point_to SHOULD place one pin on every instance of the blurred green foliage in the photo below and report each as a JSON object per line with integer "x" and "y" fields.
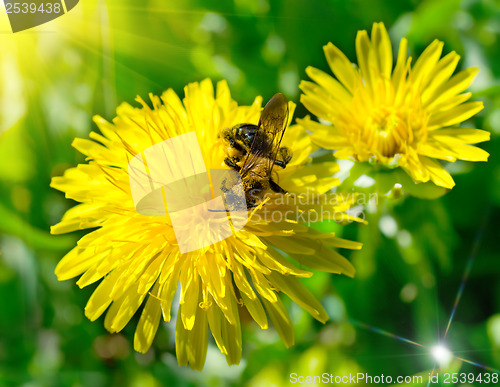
{"x": 55, "y": 77}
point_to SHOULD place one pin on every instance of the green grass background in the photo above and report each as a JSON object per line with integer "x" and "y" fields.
{"x": 55, "y": 77}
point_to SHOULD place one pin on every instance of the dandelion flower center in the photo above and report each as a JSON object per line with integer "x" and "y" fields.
{"x": 389, "y": 129}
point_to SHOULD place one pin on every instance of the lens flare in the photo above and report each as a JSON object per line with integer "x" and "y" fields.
{"x": 442, "y": 355}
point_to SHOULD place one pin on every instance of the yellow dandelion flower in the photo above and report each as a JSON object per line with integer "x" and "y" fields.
{"x": 407, "y": 116}
{"x": 137, "y": 259}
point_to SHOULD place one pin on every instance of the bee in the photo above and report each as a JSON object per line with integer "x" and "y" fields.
{"x": 254, "y": 150}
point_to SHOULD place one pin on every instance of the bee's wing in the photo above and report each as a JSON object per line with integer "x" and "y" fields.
{"x": 272, "y": 125}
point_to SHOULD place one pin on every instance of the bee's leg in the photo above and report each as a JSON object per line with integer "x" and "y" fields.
{"x": 223, "y": 187}
{"x": 285, "y": 157}
{"x": 280, "y": 163}
{"x": 235, "y": 144}
{"x": 251, "y": 205}
{"x": 286, "y": 154}
{"x": 275, "y": 187}
{"x": 232, "y": 164}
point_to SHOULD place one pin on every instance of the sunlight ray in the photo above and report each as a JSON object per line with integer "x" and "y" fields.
{"x": 384, "y": 333}
{"x": 468, "y": 268}
{"x": 485, "y": 367}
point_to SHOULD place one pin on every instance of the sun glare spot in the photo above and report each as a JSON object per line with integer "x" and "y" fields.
{"x": 442, "y": 355}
